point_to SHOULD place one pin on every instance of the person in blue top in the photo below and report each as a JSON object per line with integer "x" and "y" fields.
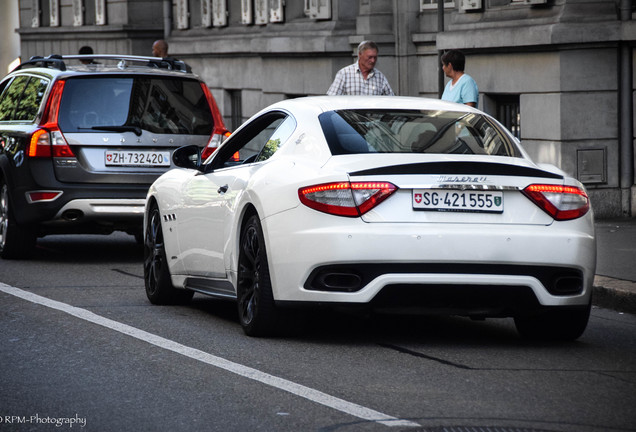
{"x": 461, "y": 88}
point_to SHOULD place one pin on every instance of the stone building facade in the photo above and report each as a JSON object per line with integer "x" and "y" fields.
{"x": 558, "y": 73}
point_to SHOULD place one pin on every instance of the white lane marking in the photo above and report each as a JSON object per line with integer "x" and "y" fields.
{"x": 239, "y": 369}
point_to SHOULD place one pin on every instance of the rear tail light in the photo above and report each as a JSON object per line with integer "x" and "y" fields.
{"x": 47, "y": 144}
{"x": 350, "y": 199}
{"x": 219, "y": 133}
{"x": 215, "y": 141}
{"x": 52, "y": 108}
{"x": 48, "y": 140}
{"x": 560, "y": 202}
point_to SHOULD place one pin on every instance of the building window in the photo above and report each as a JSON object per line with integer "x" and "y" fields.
{"x": 432, "y": 4}
{"x": 236, "y": 108}
{"x": 508, "y": 112}
{"x": 89, "y": 11}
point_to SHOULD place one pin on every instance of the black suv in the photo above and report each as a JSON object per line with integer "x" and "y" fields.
{"x": 81, "y": 144}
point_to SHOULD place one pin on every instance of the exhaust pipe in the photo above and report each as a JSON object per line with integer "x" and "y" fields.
{"x": 72, "y": 215}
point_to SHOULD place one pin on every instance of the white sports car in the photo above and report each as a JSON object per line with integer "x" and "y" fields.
{"x": 404, "y": 205}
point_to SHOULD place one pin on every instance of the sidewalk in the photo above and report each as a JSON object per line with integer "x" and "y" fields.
{"x": 615, "y": 281}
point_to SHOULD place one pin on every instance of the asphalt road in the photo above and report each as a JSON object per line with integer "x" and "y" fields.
{"x": 80, "y": 345}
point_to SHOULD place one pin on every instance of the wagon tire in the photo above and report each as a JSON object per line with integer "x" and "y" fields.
{"x": 16, "y": 241}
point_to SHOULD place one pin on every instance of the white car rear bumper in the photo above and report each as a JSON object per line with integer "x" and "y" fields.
{"x": 469, "y": 255}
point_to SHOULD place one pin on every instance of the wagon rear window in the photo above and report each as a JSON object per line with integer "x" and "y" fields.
{"x": 158, "y": 105}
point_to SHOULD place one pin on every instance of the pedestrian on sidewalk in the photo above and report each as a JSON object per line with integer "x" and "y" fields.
{"x": 361, "y": 78}
{"x": 461, "y": 88}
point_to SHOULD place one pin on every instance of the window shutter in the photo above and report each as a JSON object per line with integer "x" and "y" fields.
{"x": 276, "y": 11}
{"x": 206, "y": 13}
{"x": 54, "y": 13}
{"x": 100, "y": 12}
{"x": 247, "y": 14}
{"x": 182, "y": 14}
{"x": 320, "y": 9}
{"x": 78, "y": 13}
{"x": 220, "y": 13}
{"x": 432, "y": 4}
{"x": 260, "y": 11}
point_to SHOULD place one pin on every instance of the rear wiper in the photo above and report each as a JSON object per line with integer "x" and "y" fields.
{"x": 123, "y": 128}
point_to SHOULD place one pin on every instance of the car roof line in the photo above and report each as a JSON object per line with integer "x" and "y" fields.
{"x": 56, "y": 61}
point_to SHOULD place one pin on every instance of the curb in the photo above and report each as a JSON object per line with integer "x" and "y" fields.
{"x": 616, "y": 294}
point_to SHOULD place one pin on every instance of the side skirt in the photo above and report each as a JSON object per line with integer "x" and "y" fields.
{"x": 221, "y": 289}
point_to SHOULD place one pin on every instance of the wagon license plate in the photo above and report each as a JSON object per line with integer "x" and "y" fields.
{"x": 458, "y": 200}
{"x": 137, "y": 158}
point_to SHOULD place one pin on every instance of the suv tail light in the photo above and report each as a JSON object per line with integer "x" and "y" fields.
{"x": 215, "y": 141}
{"x": 350, "y": 199}
{"x": 47, "y": 144}
{"x": 48, "y": 140}
{"x": 219, "y": 132}
{"x": 560, "y": 202}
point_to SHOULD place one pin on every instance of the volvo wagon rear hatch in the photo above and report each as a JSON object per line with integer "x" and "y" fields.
{"x": 440, "y": 166}
{"x": 123, "y": 128}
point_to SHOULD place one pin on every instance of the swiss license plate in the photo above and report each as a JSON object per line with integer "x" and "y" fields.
{"x": 137, "y": 158}
{"x": 458, "y": 200}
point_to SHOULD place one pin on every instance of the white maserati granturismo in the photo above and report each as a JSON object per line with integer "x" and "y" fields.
{"x": 400, "y": 205}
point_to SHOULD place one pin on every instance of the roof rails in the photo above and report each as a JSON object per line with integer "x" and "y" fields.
{"x": 56, "y": 61}
{"x": 53, "y": 60}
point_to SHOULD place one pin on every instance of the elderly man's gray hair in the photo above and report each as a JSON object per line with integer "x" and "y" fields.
{"x": 367, "y": 44}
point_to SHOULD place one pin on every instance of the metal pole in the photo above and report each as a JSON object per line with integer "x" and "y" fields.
{"x": 626, "y": 138}
{"x": 396, "y": 35}
{"x": 167, "y": 18}
{"x": 440, "y": 29}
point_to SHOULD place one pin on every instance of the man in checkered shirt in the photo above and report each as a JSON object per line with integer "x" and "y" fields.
{"x": 361, "y": 78}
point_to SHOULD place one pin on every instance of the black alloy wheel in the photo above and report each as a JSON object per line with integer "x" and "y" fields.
{"x": 16, "y": 241}
{"x": 159, "y": 288}
{"x": 257, "y": 312}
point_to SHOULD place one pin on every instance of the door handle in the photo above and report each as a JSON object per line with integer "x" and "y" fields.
{"x": 223, "y": 189}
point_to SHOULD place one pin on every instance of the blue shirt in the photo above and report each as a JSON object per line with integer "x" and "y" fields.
{"x": 465, "y": 90}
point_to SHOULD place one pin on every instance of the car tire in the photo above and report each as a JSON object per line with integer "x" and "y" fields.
{"x": 256, "y": 309}
{"x": 556, "y": 325}
{"x": 159, "y": 288}
{"x": 16, "y": 241}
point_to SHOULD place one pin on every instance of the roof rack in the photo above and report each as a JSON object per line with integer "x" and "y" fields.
{"x": 53, "y": 60}
{"x": 56, "y": 61}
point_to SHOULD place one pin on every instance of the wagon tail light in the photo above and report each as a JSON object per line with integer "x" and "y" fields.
{"x": 219, "y": 133}
{"x": 350, "y": 199}
{"x": 216, "y": 139}
{"x": 47, "y": 140}
{"x": 560, "y": 202}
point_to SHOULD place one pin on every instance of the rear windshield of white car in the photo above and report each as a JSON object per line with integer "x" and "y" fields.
{"x": 155, "y": 104}
{"x": 409, "y": 131}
